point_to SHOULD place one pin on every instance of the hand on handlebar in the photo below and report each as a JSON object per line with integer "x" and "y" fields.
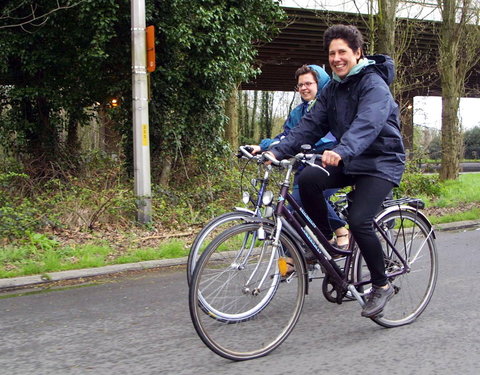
{"x": 269, "y": 157}
{"x": 255, "y": 149}
{"x": 330, "y": 158}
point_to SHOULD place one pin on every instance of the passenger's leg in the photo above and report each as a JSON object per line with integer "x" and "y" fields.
{"x": 312, "y": 183}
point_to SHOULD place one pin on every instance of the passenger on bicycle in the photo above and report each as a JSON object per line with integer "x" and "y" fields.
{"x": 359, "y": 110}
{"x": 310, "y": 80}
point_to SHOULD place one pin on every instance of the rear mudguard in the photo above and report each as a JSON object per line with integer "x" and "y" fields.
{"x": 394, "y": 208}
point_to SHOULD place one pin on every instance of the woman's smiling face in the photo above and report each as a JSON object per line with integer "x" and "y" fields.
{"x": 342, "y": 58}
{"x": 307, "y": 86}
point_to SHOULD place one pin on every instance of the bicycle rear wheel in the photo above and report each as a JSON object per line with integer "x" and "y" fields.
{"x": 414, "y": 239}
{"x": 212, "y": 229}
{"x": 241, "y": 306}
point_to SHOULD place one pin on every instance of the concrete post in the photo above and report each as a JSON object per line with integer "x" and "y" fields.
{"x": 141, "y": 141}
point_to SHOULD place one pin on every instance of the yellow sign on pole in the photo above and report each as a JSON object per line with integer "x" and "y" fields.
{"x": 144, "y": 134}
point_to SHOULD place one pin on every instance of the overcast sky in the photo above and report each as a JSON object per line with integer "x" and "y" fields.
{"x": 428, "y": 112}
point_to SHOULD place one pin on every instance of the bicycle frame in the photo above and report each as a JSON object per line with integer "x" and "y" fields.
{"x": 321, "y": 247}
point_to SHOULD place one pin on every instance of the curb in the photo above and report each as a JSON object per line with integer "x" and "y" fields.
{"x": 47, "y": 278}
{"x": 38, "y": 280}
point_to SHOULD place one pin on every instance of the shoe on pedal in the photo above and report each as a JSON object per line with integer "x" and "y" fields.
{"x": 376, "y": 300}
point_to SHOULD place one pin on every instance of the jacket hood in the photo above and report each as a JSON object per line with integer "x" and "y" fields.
{"x": 382, "y": 65}
{"x": 322, "y": 76}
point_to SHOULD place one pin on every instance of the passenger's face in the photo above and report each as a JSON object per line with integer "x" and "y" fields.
{"x": 307, "y": 86}
{"x": 341, "y": 57}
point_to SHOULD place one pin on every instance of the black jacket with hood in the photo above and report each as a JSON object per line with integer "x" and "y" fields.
{"x": 362, "y": 114}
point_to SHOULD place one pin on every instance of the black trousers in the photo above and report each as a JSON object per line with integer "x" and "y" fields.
{"x": 367, "y": 199}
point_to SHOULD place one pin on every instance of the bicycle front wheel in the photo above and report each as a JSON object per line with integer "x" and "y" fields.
{"x": 240, "y": 304}
{"x": 414, "y": 239}
{"x": 213, "y": 228}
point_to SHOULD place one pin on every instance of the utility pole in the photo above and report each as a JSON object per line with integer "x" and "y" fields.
{"x": 141, "y": 141}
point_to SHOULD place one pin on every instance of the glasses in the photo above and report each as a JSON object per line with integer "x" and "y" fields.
{"x": 306, "y": 85}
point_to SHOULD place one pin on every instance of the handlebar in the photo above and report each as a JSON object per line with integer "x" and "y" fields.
{"x": 245, "y": 151}
{"x": 307, "y": 159}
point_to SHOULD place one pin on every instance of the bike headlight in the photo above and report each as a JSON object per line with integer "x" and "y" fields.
{"x": 245, "y": 197}
{"x": 267, "y": 198}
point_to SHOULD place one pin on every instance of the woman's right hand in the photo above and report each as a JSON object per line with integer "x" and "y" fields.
{"x": 255, "y": 149}
{"x": 330, "y": 158}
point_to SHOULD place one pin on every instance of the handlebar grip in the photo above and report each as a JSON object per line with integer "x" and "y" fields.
{"x": 245, "y": 151}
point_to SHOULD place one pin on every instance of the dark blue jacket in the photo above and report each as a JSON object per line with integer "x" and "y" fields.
{"x": 362, "y": 114}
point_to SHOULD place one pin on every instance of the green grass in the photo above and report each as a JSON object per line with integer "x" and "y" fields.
{"x": 473, "y": 214}
{"x": 25, "y": 260}
{"x": 456, "y": 193}
{"x": 464, "y": 190}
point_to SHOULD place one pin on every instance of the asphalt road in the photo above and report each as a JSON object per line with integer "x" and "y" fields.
{"x": 141, "y": 325}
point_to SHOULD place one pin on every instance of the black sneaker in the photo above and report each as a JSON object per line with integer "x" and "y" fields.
{"x": 376, "y": 300}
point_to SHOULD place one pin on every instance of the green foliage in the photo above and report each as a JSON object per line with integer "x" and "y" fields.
{"x": 472, "y": 143}
{"x": 416, "y": 183}
{"x": 205, "y": 49}
{"x": 210, "y": 186}
{"x": 48, "y": 83}
{"x": 17, "y": 216}
{"x": 98, "y": 197}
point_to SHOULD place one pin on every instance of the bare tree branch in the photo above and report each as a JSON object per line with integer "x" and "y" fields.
{"x": 32, "y": 17}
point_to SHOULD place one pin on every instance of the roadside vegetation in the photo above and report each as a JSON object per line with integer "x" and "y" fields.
{"x": 89, "y": 220}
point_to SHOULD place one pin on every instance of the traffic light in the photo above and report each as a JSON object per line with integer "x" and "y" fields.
{"x": 151, "y": 65}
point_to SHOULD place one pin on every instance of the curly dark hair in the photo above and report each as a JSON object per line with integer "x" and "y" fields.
{"x": 349, "y": 33}
{"x": 304, "y": 69}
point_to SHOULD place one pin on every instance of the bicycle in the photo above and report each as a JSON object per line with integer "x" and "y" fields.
{"x": 244, "y": 302}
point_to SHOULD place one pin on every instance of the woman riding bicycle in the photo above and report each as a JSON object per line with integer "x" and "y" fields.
{"x": 359, "y": 110}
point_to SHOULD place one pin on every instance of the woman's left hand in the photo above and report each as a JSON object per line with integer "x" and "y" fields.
{"x": 330, "y": 158}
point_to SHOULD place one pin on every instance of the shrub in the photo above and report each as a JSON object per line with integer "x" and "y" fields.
{"x": 415, "y": 183}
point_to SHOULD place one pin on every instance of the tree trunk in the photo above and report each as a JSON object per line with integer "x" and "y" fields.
{"x": 72, "y": 142}
{"x": 241, "y": 124}
{"x": 452, "y": 80}
{"x": 386, "y": 21}
{"x": 254, "y": 130}
{"x": 246, "y": 121}
{"x": 406, "y": 118}
{"x": 166, "y": 171}
{"x": 231, "y": 128}
{"x": 451, "y": 136}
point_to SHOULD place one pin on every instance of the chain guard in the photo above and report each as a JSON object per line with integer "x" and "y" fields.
{"x": 331, "y": 292}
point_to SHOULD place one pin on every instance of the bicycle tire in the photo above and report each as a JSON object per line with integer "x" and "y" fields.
{"x": 209, "y": 232}
{"x": 413, "y": 237}
{"x": 236, "y": 315}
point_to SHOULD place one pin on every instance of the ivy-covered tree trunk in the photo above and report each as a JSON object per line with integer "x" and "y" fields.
{"x": 231, "y": 127}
